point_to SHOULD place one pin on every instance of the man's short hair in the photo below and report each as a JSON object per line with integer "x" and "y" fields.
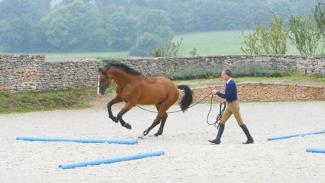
{"x": 227, "y": 72}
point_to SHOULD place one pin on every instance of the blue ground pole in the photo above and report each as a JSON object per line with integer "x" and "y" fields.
{"x": 315, "y": 150}
{"x": 296, "y": 135}
{"x": 108, "y": 141}
{"x": 111, "y": 160}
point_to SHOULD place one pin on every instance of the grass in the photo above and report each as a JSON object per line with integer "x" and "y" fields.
{"x": 215, "y": 43}
{"x": 49, "y": 100}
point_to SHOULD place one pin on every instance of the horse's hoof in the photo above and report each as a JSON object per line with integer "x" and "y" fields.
{"x": 145, "y": 133}
{"x": 114, "y": 119}
{"x": 128, "y": 126}
{"x": 157, "y": 134}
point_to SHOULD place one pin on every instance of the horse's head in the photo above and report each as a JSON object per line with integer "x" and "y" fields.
{"x": 103, "y": 81}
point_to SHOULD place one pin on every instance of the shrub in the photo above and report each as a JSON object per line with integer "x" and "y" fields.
{"x": 250, "y": 45}
{"x": 199, "y": 73}
{"x": 319, "y": 17}
{"x": 170, "y": 51}
{"x": 305, "y": 34}
{"x": 258, "y": 72}
{"x": 145, "y": 43}
{"x": 266, "y": 40}
{"x": 194, "y": 52}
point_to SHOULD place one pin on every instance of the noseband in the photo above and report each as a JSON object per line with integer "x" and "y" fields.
{"x": 98, "y": 86}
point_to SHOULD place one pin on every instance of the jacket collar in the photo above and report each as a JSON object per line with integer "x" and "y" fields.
{"x": 228, "y": 80}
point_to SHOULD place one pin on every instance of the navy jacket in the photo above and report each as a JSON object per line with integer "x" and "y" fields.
{"x": 230, "y": 92}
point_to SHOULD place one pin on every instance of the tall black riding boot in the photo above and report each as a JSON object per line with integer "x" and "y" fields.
{"x": 220, "y": 131}
{"x": 250, "y": 139}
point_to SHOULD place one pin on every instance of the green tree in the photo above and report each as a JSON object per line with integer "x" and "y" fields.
{"x": 319, "y": 17}
{"x": 270, "y": 39}
{"x": 193, "y": 52}
{"x": 250, "y": 44}
{"x": 145, "y": 43}
{"x": 116, "y": 24}
{"x": 75, "y": 26}
{"x": 156, "y": 22}
{"x": 169, "y": 51}
{"x": 19, "y": 24}
{"x": 154, "y": 34}
{"x": 305, "y": 34}
{"x": 120, "y": 30}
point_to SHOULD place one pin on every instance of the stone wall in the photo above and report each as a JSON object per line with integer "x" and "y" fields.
{"x": 160, "y": 66}
{"x": 32, "y": 73}
{"x": 267, "y": 92}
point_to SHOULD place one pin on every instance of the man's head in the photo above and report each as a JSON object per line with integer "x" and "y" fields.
{"x": 226, "y": 74}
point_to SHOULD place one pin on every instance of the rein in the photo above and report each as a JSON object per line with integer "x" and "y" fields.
{"x": 222, "y": 108}
{"x": 176, "y": 110}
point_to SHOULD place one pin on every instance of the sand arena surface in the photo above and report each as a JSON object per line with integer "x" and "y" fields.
{"x": 189, "y": 157}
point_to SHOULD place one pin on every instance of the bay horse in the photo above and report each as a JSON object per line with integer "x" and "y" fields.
{"x": 134, "y": 88}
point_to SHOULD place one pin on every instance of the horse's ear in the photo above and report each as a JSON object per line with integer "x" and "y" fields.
{"x": 100, "y": 70}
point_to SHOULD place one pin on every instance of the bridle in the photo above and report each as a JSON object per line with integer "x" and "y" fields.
{"x": 98, "y": 85}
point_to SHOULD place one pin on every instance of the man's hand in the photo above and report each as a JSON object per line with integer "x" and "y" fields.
{"x": 213, "y": 92}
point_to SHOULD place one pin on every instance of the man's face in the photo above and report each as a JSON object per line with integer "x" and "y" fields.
{"x": 224, "y": 76}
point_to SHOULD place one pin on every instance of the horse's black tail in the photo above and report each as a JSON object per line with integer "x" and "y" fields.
{"x": 187, "y": 98}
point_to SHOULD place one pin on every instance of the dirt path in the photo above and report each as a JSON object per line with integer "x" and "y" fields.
{"x": 189, "y": 157}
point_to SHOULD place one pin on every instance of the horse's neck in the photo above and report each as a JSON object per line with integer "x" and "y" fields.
{"x": 121, "y": 78}
{"x": 120, "y": 84}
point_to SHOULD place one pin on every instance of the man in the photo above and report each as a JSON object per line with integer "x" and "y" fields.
{"x": 232, "y": 108}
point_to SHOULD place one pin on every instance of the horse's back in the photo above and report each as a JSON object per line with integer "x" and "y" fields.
{"x": 159, "y": 81}
{"x": 157, "y": 89}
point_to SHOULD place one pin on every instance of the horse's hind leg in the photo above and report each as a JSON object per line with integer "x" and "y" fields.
{"x": 161, "y": 113}
{"x": 126, "y": 108}
{"x": 165, "y": 107}
{"x": 162, "y": 124}
{"x": 155, "y": 122}
{"x": 109, "y": 108}
{"x": 163, "y": 121}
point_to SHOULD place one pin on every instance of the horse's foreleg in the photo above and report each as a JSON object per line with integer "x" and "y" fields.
{"x": 109, "y": 108}
{"x": 126, "y": 108}
{"x": 162, "y": 124}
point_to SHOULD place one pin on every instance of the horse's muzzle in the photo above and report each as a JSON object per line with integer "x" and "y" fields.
{"x": 101, "y": 91}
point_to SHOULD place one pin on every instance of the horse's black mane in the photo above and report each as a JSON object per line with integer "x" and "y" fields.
{"x": 125, "y": 68}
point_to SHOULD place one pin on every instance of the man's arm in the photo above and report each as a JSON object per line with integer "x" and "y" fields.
{"x": 221, "y": 95}
{"x": 229, "y": 91}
